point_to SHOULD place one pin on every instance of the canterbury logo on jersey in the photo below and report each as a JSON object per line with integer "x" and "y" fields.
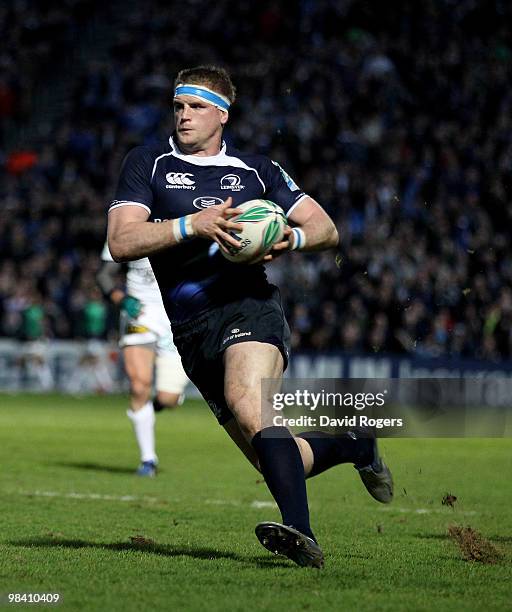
{"x": 180, "y": 180}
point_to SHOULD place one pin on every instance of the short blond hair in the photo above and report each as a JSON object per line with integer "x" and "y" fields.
{"x": 213, "y": 77}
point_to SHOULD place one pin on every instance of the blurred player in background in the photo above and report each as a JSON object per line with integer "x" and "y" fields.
{"x": 148, "y": 347}
{"x": 227, "y": 320}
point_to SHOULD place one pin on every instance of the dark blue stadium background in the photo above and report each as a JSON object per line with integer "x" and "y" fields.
{"x": 395, "y": 116}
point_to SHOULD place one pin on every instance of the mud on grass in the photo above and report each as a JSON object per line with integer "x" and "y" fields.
{"x": 473, "y": 545}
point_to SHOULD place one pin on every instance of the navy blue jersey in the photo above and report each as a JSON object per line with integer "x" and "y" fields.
{"x": 194, "y": 276}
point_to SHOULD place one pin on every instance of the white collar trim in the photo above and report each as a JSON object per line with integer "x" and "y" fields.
{"x": 197, "y": 159}
{"x": 221, "y": 159}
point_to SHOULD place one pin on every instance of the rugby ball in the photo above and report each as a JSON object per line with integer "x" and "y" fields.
{"x": 263, "y": 225}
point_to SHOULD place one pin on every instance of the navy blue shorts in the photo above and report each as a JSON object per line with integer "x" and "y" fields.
{"x": 202, "y": 342}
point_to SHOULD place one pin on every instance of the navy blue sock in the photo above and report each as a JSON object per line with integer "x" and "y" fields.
{"x": 281, "y": 465}
{"x": 330, "y": 450}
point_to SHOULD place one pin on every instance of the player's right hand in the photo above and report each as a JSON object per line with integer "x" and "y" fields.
{"x": 214, "y": 224}
{"x": 131, "y": 305}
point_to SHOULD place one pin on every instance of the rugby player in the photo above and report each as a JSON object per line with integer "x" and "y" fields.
{"x": 175, "y": 203}
{"x": 147, "y": 345}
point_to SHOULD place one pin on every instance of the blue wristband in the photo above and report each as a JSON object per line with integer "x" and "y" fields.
{"x": 182, "y": 228}
{"x": 300, "y": 239}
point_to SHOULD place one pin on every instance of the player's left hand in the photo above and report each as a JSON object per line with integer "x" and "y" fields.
{"x": 280, "y": 247}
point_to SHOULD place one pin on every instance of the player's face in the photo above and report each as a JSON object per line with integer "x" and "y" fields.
{"x": 198, "y": 125}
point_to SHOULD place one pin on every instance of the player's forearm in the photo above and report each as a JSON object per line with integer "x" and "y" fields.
{"x": 316, "y": 236}
{"x": 137, "y": 239}
{"x": 132, "y": 237}
{"x": 313, "y": 229}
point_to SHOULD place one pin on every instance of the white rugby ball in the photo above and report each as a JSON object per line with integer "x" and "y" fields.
{"x": 263, "y": 225}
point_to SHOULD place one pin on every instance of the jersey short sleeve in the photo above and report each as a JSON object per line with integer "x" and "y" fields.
{"x": 280, "y": 187}
{"x": 134, "y": 183}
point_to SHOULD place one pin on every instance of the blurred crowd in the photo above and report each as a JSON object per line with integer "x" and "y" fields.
{"x": 396, "y": 117}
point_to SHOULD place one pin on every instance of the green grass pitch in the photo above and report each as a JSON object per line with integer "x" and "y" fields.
{"x": 70, "y": 504}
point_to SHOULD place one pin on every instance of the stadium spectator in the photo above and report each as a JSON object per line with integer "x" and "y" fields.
{"x": 372, "y": 110}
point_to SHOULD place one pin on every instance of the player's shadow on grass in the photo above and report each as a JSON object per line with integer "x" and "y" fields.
{"x": 152, "y": 549}
{"x": 95, "y": 467}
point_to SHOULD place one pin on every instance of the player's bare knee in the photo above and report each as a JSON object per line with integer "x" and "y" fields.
{"x": 247, "y": 411}
{"x": 242, "y": 398}
{"x": 140, "y": 389}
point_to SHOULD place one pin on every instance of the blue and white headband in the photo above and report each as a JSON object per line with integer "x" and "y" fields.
{"x": 203, "y": 93}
